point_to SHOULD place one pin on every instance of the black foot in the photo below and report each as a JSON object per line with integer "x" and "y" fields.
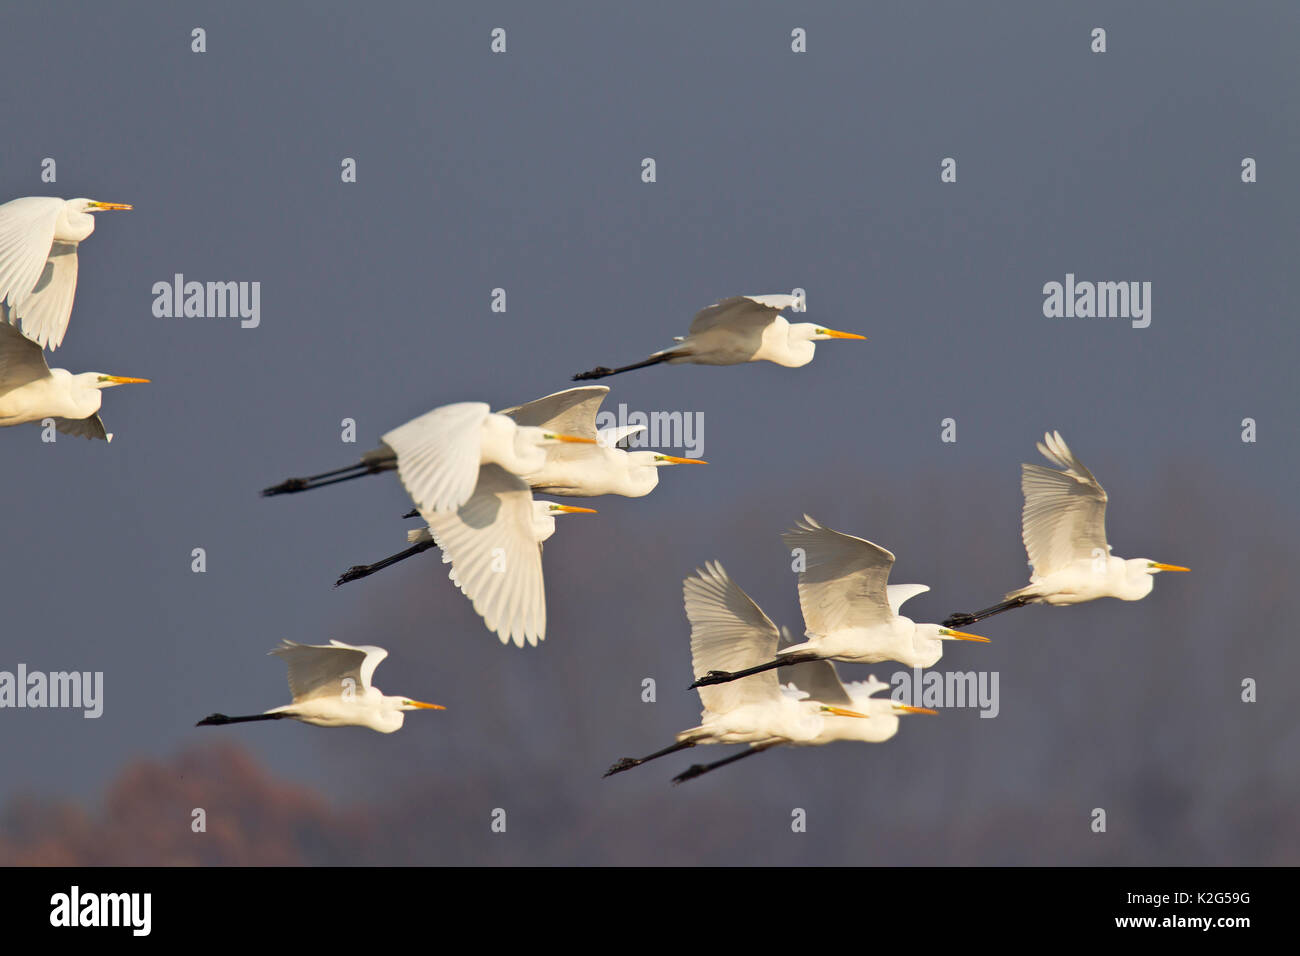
{"x": 213, "y": 719}
{"x": 713, "y": 677}
{"x": 354, "y": 573}
{"x": 690, "y": 773}
{"x": 627, "y": 763}
{"x": 600, "y": 371}
{"x": 285, "y": 487}
{"x": 959, "y": 619}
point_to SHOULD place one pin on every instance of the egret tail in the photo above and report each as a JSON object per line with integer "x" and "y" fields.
{"x": 960, "y": 619}
{"x": 365, "y": 570}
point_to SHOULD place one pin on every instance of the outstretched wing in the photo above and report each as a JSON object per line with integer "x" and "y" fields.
{"x": 438, "y": 454}
{"x": 46, "y": 310}
{"x": 900, "y": 594}
{"x": 26, "y": 235}
{"x": 570, "y": 412}
{"x": 844, "y": 578}
{"x": 92, "y": 427}
{"x": 741, "y": 314}
{"x": 494, "y": 555}
{"x": 21, "y": 359}
{"x": 1064, "y": 517}
{"x": 729, "y": 632}
{"x": 818, "y": 679}
{"x": 320, "y": 670}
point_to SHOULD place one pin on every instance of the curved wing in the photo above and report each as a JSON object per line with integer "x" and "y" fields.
{"x": 1064, "y": 517}
{"x": 438, "y": 454}
{"x": 729, "y": 632}
{"x": 319, "y": 670}
{"x": 21, "y": 360}
{"x": 900, "y": 594}
{"x": 92, "y": 427}
{"x": 45, "y": 312}
{"x": 616, "y": 435}
{"x": 494, "y": 555}
{"x": 844, "y": 578}
{"x": 861, "y": 691}
{"x": 818, "y": 679}
{"x": 570, "y": 412}
{"x": 741, "y": 314}
{"x": 26, "y": 235}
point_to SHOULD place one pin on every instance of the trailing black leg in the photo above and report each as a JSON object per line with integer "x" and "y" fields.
{"x": 365, "y": 570}
{"x": 291, "y": 485}
{"x": 600, "y": 371}
{"x": 697, "y": 769}
{"x": 723, "y": 677}
{"x": 212, "y": 719}
{"x": 960, "y": 619}
{"x": 627, "y": 763}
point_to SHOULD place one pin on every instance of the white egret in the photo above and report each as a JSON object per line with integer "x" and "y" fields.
{"x": 331, "y": 687}
{"x": 850, "y": 611}
{"x": 1063, "y": 525}
{"x": 30, "y": 391}
{"x": 729, "y": 630}
{"x": 587, "y": 470}
{"x": 38, "y": 261}
{"x": 493, "y": 543}
{"x": 437, "y": 456}
{"x": 743, "y": 328}
{"x": 817, "y": 681}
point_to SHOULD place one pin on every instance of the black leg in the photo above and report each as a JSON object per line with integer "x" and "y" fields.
{"x": 600, "y": 371}
{"x": 697, "y": 769}
{"x": 292, "y": 485}
{"x": 959, "y": 620}
{"x": 723, "y": 677}
{"x": 627, "y": 763}
{"x": 212, "y": 719}
{"x": 365, "y": 570}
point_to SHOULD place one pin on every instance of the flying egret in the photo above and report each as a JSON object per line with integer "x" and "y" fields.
{"x": 30, "y": 391}
{"x": 421, "y": 540}
{"x": 38, "y": 261}
{"x": 1063, "y": 525}
{"x": 584, "y": 470}
{"x": 850, "y": 611}
{"x": 743, "y": 328}
{"x": 817, "y": 681}
{"x": 437, "y": 456}
{"x": 729, "y": 630}
{"x": 331, "y": 687}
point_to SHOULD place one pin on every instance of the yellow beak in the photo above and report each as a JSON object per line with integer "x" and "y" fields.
{"x": 423, "y": 706}
{"x": 111, "y": 205}
{"x": 842, "y": 335}
{"x": 1169, "y": 567}
{"x": 575, "y": 510}
{"x": 841, "y": 712}
{"x": 915, "y": 710}
{"x": 123, "y": 380}
{"x": 963, "y": 636}
{"x": 573, "y": 438}
{"x": 683, "y": 461}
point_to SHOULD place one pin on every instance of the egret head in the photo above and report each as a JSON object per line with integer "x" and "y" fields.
{"x": 1155, "y": 567}
{"x": 100, "y": 380}
{"x": 551, "y": 508}
{"x": 927, "y": 643}
{"x": 812, "y": 332}
{"x": 404, "y": 704}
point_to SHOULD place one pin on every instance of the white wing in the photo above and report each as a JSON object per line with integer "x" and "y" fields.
{"x": 494, "y": 555}
{"x": 1064, "y": 517}
{"x": 26, "y": 235}
{"x": 92, "y": 427}
{"x": 570, "y": 412}
{"x": 900, "y": 594}
{"x": 817, "y": 679}
{"x": 438, "y": 454}
{"x": 741, "y": 314}
{"x": 610, "y": 437}
{"x": 729, "y": 632}
{"x": 319, "y": 670}
{"x": 862, "y": 690}
{"x": 21, "y": 359}
{"x": 843, "y": 583}
{"x": 45, "y": 312}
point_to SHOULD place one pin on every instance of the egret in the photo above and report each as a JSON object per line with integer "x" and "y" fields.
{"x": 437, "y": 456}
{"x": 38, "y": 261}
{"x": 729, "y": 630}
{"x": 331, "y": 687}
{"x": 30, "y": 391}
{"x": 493, "y": 543}
{"x": 850, "y": 610}
{"x": 1063, "y": 525}
{"x": 817, "y": 681}
{"x": 582, "y": 470}
{"x": 743, "y": 328}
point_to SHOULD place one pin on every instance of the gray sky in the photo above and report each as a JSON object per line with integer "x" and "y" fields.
{"x": 775, "y": 170}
